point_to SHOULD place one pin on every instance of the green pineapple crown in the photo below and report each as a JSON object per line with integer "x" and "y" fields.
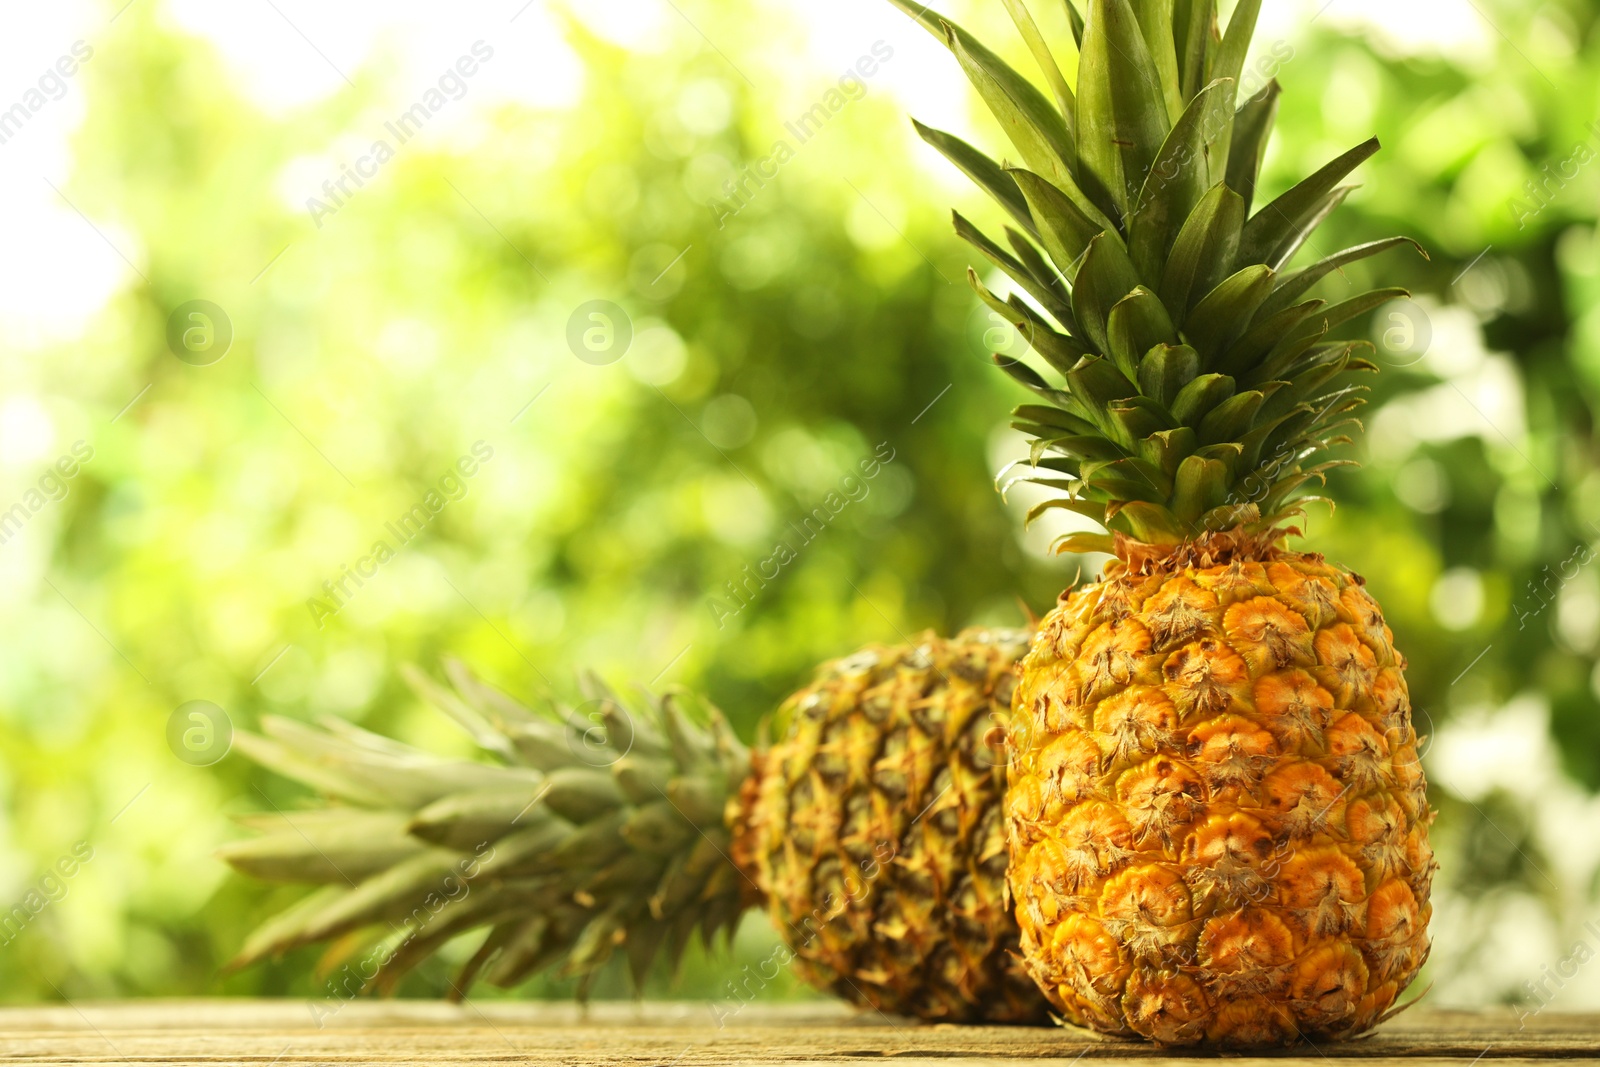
{"x": 1199, "y": 384}
{"x": 589, "y": 835}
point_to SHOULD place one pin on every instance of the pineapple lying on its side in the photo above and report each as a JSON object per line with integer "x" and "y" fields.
{"x": 1217, "y": 819}
{"x": 887, "y": 760}
{"x": 871, "y": 830}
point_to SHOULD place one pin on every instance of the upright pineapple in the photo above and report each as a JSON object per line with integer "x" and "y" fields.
{"x": 871, "y": 830}
{"x": 1216, "y": 817}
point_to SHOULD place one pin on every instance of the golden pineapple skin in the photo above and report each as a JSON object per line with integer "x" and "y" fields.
{"x": 873, "y": 827}
{"x": 1217, "y": 818}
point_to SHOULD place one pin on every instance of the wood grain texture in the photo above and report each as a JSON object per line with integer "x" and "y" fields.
{"x": 285, "y": 1032}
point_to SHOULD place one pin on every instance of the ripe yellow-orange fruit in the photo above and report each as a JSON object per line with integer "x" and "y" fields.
{"x": 1216, "y": 816}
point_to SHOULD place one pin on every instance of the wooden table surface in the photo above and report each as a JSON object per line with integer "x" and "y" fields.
{"x": 285, "y": 1032}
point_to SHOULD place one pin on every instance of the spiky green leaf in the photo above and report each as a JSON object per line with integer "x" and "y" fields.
{"x": 1165, "y": 370}
{"x": 1201, "y": 484}
{"x": 1029, "y": 31}
{"x": 1231, "y": 419}
{"x": 1199, "y": 397}
{"x": 985, "y": 173}
{"x": 1122, "y": 116}
{"x": 1205, "y": 246}
{"x": 1177, "y": 180}
{"x": 1103, "y": 280}
{"x": 1035, "y": 128}
{"x": 1219, "y": 319}
{"x": 1047, "y": 296}
{"x": 1252, "y": 126}
{"x": 1290, "y": 217}
{"x": 1064, "y": 228}
{"x": 1295, "y": 285}
{"x": 1138, "y": 323}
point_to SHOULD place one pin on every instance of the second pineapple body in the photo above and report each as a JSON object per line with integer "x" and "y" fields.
{"x": 875, "y": 831}
{"x": 871, "y": 831}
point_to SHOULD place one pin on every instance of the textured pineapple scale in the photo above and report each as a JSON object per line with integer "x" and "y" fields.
{"x": 1217, "y": 814}
{"x": 876, "y": 831}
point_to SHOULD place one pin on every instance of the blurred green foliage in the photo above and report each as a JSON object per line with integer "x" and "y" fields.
{"x": 770, "y": 354}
